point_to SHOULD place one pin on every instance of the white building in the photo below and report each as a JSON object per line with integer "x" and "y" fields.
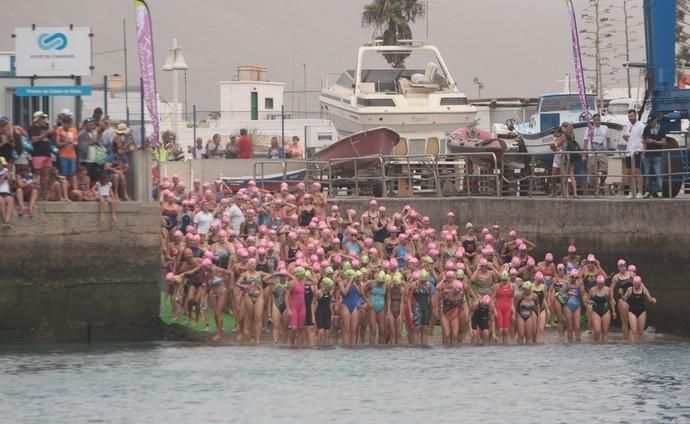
{"x": 253, "y": 102}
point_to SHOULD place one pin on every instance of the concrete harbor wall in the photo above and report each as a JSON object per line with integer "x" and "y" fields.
{"x": 654, "y": 235}
{"x": 66, "y": 277}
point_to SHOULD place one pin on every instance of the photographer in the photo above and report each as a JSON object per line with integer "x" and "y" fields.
{"x": 41, "y": 136}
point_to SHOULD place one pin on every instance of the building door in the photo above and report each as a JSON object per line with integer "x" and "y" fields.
{"x": 23, "y": 109}
{"x": 255, "y": 106}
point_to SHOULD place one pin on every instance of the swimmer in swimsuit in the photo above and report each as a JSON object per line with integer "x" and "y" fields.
{"x": 636, "y": 296}
{"x": 376, "y": 292}
{"x": 528, "y": 309}
{"x": 395, "y": 294}
{"x": 602, "y": 310}
{"x": 574, "y": 299}
{"x": 352, "y": 300}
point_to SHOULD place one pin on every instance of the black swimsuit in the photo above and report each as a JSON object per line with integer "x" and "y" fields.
{"x": 636, "y": 303}
{"x": 323, "y": 312}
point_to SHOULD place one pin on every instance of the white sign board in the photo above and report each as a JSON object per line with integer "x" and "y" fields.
{"x": 53, "y": 51}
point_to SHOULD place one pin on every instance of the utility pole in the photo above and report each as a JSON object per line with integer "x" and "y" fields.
{"x": 627, "y": 45}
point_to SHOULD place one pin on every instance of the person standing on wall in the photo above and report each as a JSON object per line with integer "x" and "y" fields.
{"x": 632, "y": 134}
{"x": 86, "y": 149}
{"x": 244, "y": 145}
{"x": 294, "y": 151}
{"x": 597, "y": 140}
{"x": 654, "y": 139}
{"x": 41, "y": 135}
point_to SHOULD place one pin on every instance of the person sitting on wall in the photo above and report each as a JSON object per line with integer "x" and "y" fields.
{"x": 117, "y": 167}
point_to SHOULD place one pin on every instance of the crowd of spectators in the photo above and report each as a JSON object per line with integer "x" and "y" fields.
{"x": 243, "y": 147}
{"x": 62, "y": 160}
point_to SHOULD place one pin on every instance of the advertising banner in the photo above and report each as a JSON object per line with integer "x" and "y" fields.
{"x": 53, "y": 51}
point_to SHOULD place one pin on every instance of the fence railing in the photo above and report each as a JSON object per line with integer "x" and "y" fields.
{"x": 486, "y": 174}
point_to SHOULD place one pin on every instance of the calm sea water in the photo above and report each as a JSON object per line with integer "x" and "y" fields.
{"x": 182, "y": 383}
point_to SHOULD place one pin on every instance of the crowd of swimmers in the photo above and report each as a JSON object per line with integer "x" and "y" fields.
{"x": 292, "y": 264}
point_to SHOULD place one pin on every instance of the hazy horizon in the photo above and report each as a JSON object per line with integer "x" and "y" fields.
{"x": 516, "y": 48}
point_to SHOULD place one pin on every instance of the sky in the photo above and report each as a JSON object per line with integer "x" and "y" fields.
{"x": 515, "y": 47}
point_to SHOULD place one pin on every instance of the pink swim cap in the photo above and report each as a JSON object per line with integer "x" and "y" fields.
{"x": 512, "y": 233}
{"x": 251, "y": 262}
{"x": 457, "y": 285}
{"x": 281, "y": 265}
{"x": 403, "y": 237}
{"x": 522, "y": 247}
{"x": 416, "y": 275}
{"x": 632, "y": 268}
{"x": 393, "y": 263}
{"x": 337, "y": 259}
{"x": 560, "y": 267}
{"x": 300, "y": 186}
{"x": 292, "y": 235}
{"x": 373, "y": 251}
{"x": 460, "y": 265}
{"x": 206, "y": 263}
{"x": 316, "y": 267}
{"x": 486, "y": 299}
{"x": 261, "y": 251}
{"x": 485, "y": 231}
{"x": 324, "y": 263}
{"x": 316, "y": 186}
{"x": 433, "y": 252}
{"x": 450, "y": 274}
{"x": 637, "y": 280}
{"x": 208, "y": 254}
{"x": 450, "y": 264}
{"x": 591, "y": 258}
{"x": 170, "y": 277}
{"x": 572, "y": 248}
{"x": 460, "y": 252}
{"x": 621, "y": 262}
{"x": 450, "y": 214}
{"x": 382, "y": 209}
{"x": 601, "y": 279}
{"x": 539, "y": 276}
{"x": 515, "y": 262}
{"x": 483, "y": 262}
{"x": 385, "y": 264}
{"x": 368, "y": 242}
{"x": 574, "y": 273}
{"x": 530, "y": 261}
{"x": 513, "y": 272}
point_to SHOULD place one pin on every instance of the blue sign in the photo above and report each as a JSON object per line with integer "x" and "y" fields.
{"x": 56, "y": 41}
{"x": 53, "y": 90}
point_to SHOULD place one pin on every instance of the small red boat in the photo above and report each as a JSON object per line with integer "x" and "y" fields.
{"x": 471, "y": 140}
{"x": 366, "y": 145}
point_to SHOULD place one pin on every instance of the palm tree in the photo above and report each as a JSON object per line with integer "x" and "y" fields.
{"x": 391, "y": 20}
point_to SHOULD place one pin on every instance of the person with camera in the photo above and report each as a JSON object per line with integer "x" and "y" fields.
{"x": 654, "y": 139}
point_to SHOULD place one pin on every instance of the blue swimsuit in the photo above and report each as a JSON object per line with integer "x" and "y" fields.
{"x": 378, "y": 297}
{"x": 573, "y": 302}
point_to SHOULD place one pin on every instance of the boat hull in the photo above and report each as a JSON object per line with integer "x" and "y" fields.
{"x": 350, "y": 121}
{"x": 465, "y": 140}
{"x": 365, "y": 144}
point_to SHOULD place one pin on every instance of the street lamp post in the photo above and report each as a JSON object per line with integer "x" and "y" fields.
{"x": 175, "y": 62}
{"x": 480, "y": 85}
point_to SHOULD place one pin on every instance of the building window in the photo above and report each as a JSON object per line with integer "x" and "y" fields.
{"x": 268, "y": 103}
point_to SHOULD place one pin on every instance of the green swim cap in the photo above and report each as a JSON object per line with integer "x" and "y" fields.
{"x": 424, "y": 275}
{"x": 460, "y": 274}
{"x": 364, "y": 271}
{"x": 527, "y": 285}
{"x": 299, "y": 271}
{"x": 397, "y": 278}
{"x": 427, "y": 260}
{"x": 349, "y": 273}
{"x": 307, "y": 273}
{"x": 328, "y": 270}
{"x": 327, "y": 282}
{"x": 347, "y": 265}
{"x": 364, "y": 259}
{"x": 505, "y": 276}
{"x": 381, "y": 276}
{"x": 358, "y": 274}
{"x": 388, "y": 278}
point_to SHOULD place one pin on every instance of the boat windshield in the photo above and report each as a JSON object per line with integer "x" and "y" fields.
{"x": 618, "y": 109}
{"x": 382, "y": 69}
{"x": 565, "y": 103}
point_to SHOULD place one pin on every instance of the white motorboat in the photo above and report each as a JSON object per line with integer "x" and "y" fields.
{"x": 407, "y": 88}
{"x": 553, "y": 110}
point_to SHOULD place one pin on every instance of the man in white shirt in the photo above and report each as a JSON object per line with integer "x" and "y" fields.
{"x": 236, "y": 216}
{"x": 597, "y": 163}
{"x": 203, "y": 220}
{"x": 632, "y": 134}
